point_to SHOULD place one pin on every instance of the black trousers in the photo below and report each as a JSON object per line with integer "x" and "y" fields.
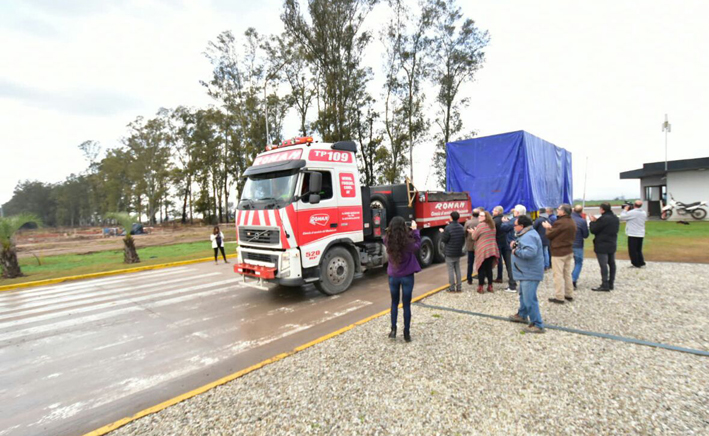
{"x": 635, "y": 251}
{"x": 485, "y": 270}
{"x": 216, "y": 252}
{"x": 471, "y": 262}
{"x": 607, "y": 263}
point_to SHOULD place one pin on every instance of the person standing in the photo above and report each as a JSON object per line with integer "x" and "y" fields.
{"x": 550, "y": 213}
{"x": 454, "y": 238}
{"x": 561, "y": 236}
{"x": 581, "y": 234}
{"x": 528, "y": 263}
{"x": 635, "y": 229}
{"x": 500, "y": 237}
{"x": 605, "y": 243}
{"x": 542, "y": 231}
{"x": 507, "y": 228}
{"x": 401, "y": 245}
{"x": 470, "y": 243}
{"x": 217, "y": 238}
{"x": 487, "y": 253}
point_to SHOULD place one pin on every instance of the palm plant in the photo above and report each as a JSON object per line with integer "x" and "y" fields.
{"x": 8, "y": 256}
{"x": 130, "y": 255}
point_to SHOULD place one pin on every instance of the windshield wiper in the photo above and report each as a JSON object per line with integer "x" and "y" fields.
{"x": 273, "y": 201}
{"x": 249, "y": 202}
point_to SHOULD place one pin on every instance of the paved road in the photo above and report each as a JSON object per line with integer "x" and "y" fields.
{"x": 80, "y": 355}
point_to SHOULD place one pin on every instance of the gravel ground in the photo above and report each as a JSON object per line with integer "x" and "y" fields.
{"x": 469, "y": 375}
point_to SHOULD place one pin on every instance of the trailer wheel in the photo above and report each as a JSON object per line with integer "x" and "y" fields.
{"x": 425, "y": 253}
{"x": 336, "y": 271}
{"x": 439, "y": 247}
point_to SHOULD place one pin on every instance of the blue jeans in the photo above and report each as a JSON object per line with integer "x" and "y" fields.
{"x": 406, "y": 284}
{"x": 547, "y": 257}
{"x": 578, "y": 264}
{"x": 528, "y": 303}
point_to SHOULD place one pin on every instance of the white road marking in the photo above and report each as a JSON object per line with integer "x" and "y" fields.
{"x": 112, "y": 299}
{"x": 91, "y": 318}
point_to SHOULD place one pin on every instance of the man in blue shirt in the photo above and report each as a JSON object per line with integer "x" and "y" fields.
{"x": 581, "y": 234}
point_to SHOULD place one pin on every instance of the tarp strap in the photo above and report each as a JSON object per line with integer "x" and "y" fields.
{"x": 577, "y": 331}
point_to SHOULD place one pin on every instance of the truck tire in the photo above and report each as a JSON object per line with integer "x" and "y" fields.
{"x": 336, "y": 271}
{"x": 439, "y": 247}
{"x": 380, "y": 201}
{"x": 425, "y": 253}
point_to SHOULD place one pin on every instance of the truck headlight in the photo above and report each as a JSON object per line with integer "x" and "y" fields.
{"x": 285, "y": 261}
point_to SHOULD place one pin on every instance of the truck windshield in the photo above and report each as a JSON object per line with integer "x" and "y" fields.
{"x": 274, "y": 189}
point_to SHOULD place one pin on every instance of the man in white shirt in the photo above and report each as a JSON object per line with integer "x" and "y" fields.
{"x": 635, "y": 229}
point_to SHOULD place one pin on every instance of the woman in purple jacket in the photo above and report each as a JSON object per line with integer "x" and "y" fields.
{"x": 402, "y": 244}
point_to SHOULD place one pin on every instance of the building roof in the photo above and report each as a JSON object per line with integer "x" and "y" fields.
{"x": 658, "y": 168}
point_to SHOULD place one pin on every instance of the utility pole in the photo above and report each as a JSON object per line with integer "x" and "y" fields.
{"x": 585, "y": 178}
{"x": 667, "y": 128}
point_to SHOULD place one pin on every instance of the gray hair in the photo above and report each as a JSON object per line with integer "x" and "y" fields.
{"x": 498, "y": 209}
{"x": 566, "y": 208}
{"x": 521, "y": 209}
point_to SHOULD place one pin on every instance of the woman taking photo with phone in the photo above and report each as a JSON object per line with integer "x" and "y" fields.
{"x": 402, "y": 243}
{"x": 217, "y": 238}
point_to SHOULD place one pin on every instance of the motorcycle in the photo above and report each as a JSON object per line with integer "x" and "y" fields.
{"x": 696, "y": 209}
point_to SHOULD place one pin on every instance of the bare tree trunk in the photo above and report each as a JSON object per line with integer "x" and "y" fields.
{"x": 130, "y": 255}
{"x": 8, "y": 261}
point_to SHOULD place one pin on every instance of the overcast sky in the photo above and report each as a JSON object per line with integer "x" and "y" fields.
{"x": 595, "y": 77}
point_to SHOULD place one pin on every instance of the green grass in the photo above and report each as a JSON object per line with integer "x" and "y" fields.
{"x": 78, "y": 264}
{"x": 667, "y": 241}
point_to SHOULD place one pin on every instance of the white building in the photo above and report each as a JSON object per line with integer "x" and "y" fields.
{"x": 686, "y": 180}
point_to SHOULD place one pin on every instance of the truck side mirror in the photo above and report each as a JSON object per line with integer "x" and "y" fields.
{"x": 314, "y": 199}
{"x": 315, "y": 182}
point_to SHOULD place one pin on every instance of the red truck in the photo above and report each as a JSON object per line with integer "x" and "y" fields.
{"x": 303, "y": 217}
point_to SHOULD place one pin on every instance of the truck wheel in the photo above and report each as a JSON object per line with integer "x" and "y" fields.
{"x": 699, "y": 213}
{"x": 666, "y": 214}
{"x": 425, "y": 253}
{"x": 439, "y": 247}
{"x": 336, "y": 271}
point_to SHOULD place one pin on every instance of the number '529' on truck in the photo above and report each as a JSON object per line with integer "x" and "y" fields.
{"x": 303, "y": 217}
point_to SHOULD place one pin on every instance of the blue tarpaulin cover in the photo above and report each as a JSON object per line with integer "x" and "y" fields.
{"x": 509, "y": 169}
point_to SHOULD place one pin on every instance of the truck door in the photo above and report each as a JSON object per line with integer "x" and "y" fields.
{"x": 317, "y": 222}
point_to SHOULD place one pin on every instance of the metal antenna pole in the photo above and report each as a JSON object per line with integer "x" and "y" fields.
{"x": 265, "y": 106}
{"x": 585, "y": 178}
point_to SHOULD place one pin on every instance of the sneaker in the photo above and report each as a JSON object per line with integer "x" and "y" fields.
{"x": 554, "y": 300}
{"x": 569, "y": 298}
{"x": 511, "y": 291}
{"x": 489, "y": 288}
{"x": 480, "y": 289}
{"x": 517, "y": 318}
{"x": 534, "y": 329}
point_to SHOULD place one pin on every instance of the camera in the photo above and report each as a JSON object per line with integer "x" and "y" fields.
{"x": 515, "y": 244}
{"x": 627, "y": 204}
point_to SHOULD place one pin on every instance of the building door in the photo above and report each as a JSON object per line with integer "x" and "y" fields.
{"x": 656, "y": 197}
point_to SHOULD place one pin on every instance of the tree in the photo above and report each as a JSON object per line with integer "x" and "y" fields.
{"x": 371, "y": 150}
{"x": 33, "y": 197}
{"x": 149, "y": 163}
{"x": 334, "y": 42}
{"x": 125, "y": 220}
{"x": 8, "y": 256}
{"x": 459, "y": 54}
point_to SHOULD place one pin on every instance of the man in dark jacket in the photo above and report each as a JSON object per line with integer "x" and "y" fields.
{"x": 561, "y": 236}
{"x": 581, "y": 234}
{"x": 543, "y": 236}
{"x": 605, "y": 244}
{"x": 454, "y": 238}
{"x": 507, "y": 229}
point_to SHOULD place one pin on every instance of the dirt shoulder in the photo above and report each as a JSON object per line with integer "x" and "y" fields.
{"x": 52, "y": 242}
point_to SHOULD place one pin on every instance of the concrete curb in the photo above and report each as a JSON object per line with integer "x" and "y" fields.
{"x": 200, "y": 390}
{"x": 105, "y": 273}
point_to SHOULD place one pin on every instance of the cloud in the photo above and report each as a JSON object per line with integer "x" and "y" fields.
{"x": 91, "y": 102}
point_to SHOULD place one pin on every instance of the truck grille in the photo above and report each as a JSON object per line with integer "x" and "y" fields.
{"x": 258, "y": 236}
{"x": 261, "y": 257}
